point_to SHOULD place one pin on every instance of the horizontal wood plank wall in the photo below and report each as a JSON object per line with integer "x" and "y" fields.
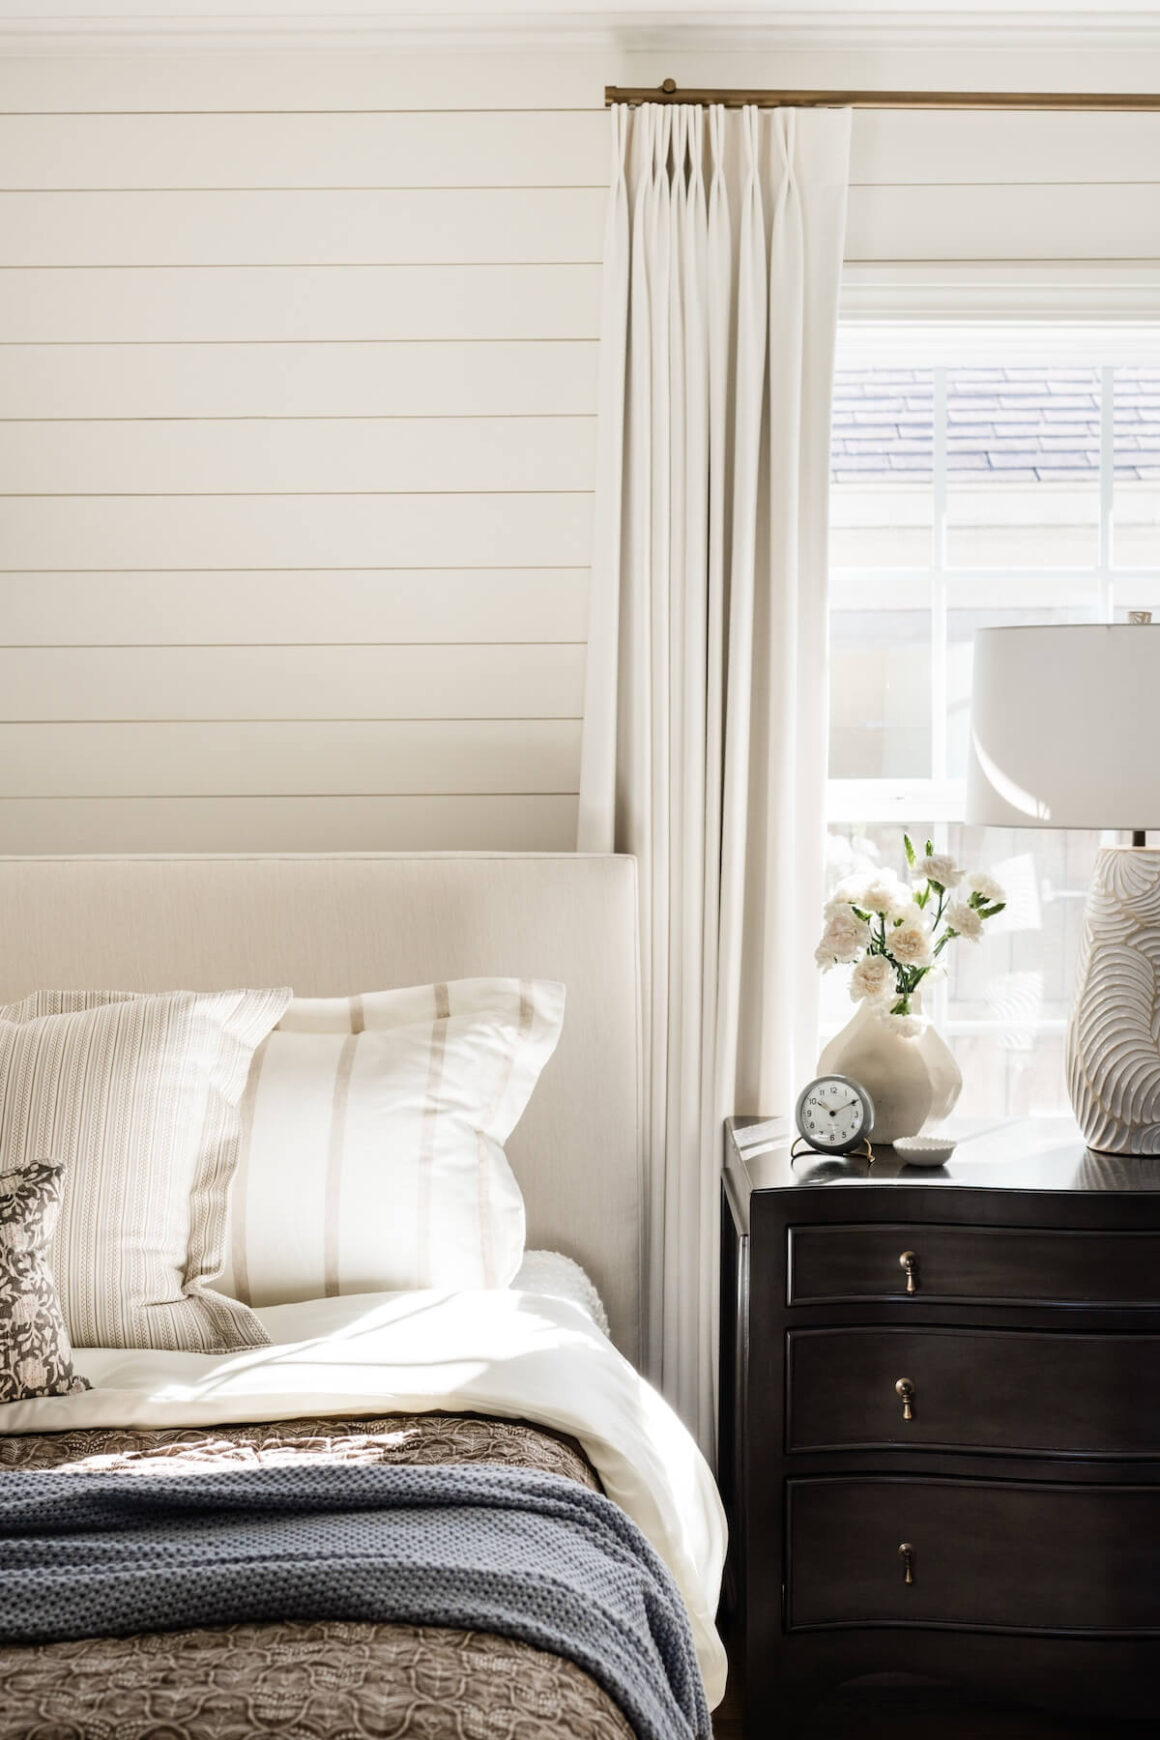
{"x": 297, "y": 414}
{"x": 297, "y": 443}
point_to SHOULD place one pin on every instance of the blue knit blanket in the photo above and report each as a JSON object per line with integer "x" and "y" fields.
{"x": 532, "y": 1556}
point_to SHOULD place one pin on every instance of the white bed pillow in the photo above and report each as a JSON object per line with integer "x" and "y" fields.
{"x": 137, "y": 1094}
{"x": 372, "y": 1148}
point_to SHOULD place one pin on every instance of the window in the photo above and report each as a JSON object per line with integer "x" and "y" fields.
{"x": 974, "y": 484}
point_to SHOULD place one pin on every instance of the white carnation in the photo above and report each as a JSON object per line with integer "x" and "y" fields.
{"x": 881, "y": 892}
{"x": 980, "y": 883}
{"x": 965, "y": 920}
{"x": 872, "y": 978}
{"x": 887, "y": 894}
{"x": 905, "y": 1026}
{"x": 909, "y": 942}
{"x": 941, "y": 868}
{"x": 843, "y": 939}
{"x": 849, "y": 892}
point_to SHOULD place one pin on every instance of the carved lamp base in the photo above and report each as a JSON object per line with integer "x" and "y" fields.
{"x": 1113, "y": 1041}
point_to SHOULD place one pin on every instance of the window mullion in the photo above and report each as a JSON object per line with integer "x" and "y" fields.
{"x": 1107, "y": 604}
{"x": 936, "y": 1001}
{"x": 938, "y": 583}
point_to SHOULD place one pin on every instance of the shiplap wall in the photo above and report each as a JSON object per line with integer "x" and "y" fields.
{"x": 297, "y": 394}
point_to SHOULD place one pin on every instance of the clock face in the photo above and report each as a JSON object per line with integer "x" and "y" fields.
{"x": 834, "y": 1113}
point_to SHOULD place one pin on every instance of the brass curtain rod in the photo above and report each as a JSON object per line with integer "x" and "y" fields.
{"x": 1112, "y": 101}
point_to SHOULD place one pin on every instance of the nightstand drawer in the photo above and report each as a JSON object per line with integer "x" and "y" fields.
{"x": 997, "y": 1391}
{"x": 982, "y": 1555}
{"x": 995, "y": 1265}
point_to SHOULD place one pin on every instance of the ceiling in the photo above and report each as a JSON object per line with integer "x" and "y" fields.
{"x": 713, "y": 23}
{"x": 710, "y": 12}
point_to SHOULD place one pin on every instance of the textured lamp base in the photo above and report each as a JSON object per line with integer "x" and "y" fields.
{"x": 1113, "y": 1042}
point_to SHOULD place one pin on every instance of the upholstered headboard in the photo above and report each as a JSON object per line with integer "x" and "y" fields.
{"x": 334, "y": 925}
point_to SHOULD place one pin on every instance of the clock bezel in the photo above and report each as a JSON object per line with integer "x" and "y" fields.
{"x": 865, "y": 1131}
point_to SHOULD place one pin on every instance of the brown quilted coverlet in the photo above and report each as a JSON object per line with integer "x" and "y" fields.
{"x": 302, "y": 1681}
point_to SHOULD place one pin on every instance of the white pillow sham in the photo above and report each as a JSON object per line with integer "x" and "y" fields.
{"x": 138, "y": 1095}
{"x": 372, "y": 1157}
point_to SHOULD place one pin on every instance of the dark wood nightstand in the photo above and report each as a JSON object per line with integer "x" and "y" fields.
{"x": 940, "y": 1422}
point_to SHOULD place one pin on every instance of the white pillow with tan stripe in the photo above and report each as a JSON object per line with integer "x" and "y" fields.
{"x": 372, "y": 1156}
{"x": 137, "y": 1094}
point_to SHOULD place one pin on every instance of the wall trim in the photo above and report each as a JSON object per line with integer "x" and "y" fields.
{"x": 802, "y": 30}
{"x": 963, "y": 290}
{"x": 1014, "y": 343}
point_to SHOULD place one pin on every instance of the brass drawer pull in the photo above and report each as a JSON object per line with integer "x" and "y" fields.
{"x": 909, "y": 1262}
{"x": 906, "y": 1554}
{"x": 905, "y": 1389}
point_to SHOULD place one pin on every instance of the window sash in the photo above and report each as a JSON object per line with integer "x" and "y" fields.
{"x": 938, "y": 588}
{"x": 1098, "y": 588}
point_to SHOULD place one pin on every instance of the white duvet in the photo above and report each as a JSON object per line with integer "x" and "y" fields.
{"x": 515, "y": 1354}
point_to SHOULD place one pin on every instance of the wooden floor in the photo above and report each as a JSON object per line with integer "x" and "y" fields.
{"x": 895, "y": 1715}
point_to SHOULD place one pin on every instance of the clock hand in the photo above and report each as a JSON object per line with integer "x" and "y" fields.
{"x": 845, "y": 1106}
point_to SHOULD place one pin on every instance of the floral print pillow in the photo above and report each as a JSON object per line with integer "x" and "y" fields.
{"x": 35, "y": 1355}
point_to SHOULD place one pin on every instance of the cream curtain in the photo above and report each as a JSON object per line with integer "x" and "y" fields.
{"x": 705, "y": 712}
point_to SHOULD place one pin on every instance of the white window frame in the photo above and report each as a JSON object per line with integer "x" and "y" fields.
{"x": 935, "y": 586}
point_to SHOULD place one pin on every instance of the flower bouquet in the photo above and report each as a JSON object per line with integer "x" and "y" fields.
{"x": 893, "y": 931}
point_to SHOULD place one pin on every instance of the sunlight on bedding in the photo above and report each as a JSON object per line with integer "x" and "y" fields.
{"x": 505, "y": 1353}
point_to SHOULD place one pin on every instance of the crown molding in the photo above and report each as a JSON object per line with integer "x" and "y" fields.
{"x": 804, "y": 29}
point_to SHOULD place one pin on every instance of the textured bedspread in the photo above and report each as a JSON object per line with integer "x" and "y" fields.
{"x": 510, "y": 1550}
{"x": 302, "y": 1681}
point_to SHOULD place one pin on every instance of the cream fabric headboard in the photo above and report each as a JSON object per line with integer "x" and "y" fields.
{"x": 335, "y": 925}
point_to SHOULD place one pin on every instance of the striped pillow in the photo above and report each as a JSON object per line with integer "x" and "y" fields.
{"x": 371, "y": 1156}
{"x": 138, "y": 1095}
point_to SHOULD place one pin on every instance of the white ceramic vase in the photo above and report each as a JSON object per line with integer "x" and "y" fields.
{"x": 912, "y": 1081}
{"x": 1113, "y": 1041}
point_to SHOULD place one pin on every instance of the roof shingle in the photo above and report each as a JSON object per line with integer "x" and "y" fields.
{"x": 1022, "y": 425}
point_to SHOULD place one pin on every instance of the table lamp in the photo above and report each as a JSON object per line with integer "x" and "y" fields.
{"x": 1065, "y": 733}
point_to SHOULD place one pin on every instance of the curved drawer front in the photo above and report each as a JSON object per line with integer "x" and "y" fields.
{"x": 998, "y": 1391}
{"x": 980, "y": 1555}
{"x": 996, "y": 1265}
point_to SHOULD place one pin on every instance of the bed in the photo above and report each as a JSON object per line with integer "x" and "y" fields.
{"x": 515, "y": 1378}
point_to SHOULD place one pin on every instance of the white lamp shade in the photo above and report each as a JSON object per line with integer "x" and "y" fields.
{"x": 1065, "y": 728}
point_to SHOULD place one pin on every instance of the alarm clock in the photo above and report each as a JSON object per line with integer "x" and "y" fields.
{"x": 834, "y": 1116}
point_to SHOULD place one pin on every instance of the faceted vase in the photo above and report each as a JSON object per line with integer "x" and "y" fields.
{"x": 912, "y": 1081}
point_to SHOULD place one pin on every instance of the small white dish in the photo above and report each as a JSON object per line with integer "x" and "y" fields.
{"x": 924, "y": 1150}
